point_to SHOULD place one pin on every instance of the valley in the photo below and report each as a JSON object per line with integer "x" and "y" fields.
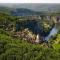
{"x": 28, "y": 34}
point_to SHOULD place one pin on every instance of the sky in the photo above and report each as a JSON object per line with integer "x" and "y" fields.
{"x": 29, "y": 1}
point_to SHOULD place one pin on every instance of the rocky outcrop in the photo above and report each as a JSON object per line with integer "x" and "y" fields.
{"x": 27, "y": 35}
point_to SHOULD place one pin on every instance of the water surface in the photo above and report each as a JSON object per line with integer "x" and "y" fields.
{"x": 52, "y": 33}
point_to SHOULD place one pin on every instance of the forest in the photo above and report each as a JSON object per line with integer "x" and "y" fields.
{"x": 33, "y": 37}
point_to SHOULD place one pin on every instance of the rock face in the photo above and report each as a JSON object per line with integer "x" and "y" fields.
{"x": 28, "y": 35}
{"x": 41, "y": 28}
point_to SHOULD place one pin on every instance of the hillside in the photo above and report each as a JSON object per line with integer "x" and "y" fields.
{"x": 24, "y": 12}
{"x": 19, "y": 11}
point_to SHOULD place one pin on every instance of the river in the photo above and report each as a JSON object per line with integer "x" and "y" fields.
{"x": 52, "y": 33}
